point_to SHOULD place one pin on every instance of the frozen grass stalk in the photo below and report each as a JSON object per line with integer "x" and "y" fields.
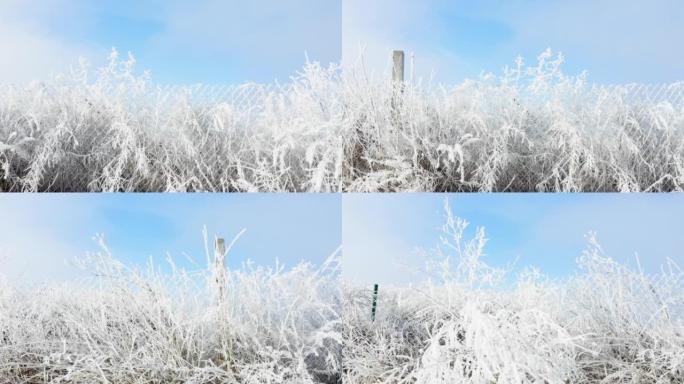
{"x": 532, "y": 128}
{"x": 476, "y": 323}
{"x": 471, "y": 322}
{"x": 157, "y": 324}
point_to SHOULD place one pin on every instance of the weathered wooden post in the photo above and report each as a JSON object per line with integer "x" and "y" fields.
{"x": 220, "y": 253}
{"x": 375, "y": 302}
{"x": 398, "y": 66}
{"x": 397, "y": 84}
{"x": 220, "y": 268}
{"x": 220, "y": 281}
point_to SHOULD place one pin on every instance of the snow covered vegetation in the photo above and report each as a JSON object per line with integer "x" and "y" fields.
{"x": 132, "y": 325}
{"x": 605, "y": 324}
{"x": 532, "y": 128}
{"x": 471, "y": 323}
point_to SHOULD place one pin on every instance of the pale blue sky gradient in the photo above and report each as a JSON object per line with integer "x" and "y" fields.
{"x": 179, "y": 41}
{"x": 616, "y": 41}
{"x": 232, "y": 41}
{"x": 380, "y": 233}
{"x": 39, "y": 232}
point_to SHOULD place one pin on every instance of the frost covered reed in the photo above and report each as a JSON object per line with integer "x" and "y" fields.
{"x": 473, "y": 324}
{"x": 532, "y": 128}
{"x": 112, "y": 130}
{"x": 133, "y": 325}
{"x": 470, "y": 323}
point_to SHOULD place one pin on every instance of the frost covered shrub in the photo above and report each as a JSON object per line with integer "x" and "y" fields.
{"x": 532, "y": 128}
{"x": 111, "y": 130}
{"x": 127, "y": 325}
{"x": 471, "y": 324}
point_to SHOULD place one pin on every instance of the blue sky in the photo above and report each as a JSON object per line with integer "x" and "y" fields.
{"x": 202, "y": 41}
{"x": 380, "y": 233}
{"x": 616, "y": 41}
{"x": 231, "y": 41}
{"x": 39, "y": 232}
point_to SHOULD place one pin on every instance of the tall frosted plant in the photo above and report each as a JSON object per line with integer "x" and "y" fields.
{"x": 154, "y": 324}
{"x": 475, "y": 323}
{"x": 532, "y": 128}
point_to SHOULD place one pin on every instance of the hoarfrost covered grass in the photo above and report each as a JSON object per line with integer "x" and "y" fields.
{"x": 472, "y": 324}
{"x": 132, "y": 325}
{"x": 532, "y": 128}
{"x": 110, "y": 130}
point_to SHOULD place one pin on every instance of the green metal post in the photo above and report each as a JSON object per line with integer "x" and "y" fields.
{"x": 375, "y": 302}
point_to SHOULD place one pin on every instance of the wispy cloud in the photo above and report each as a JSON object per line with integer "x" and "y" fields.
{"x": 29, "y": 48}
{"x": 41, "y": 235}
{"x": 34, "y": 240}
{"x": 381, "y": 233}
{"x": 206, "y": 41}
{"x": 615, "y": 41}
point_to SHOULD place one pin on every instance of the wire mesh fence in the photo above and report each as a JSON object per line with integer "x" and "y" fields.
{"x": 331, "y": 133}
{"x": 642, "y": 96}
{"x": 243, "y": 97}
{"x": 252, "y": 96}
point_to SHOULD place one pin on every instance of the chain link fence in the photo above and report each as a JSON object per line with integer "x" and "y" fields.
{"x": 243, "y": 97}
{"x": 641, "y": 96}
{"x": 250, "y": 99}
{"x": 48, "y": 127}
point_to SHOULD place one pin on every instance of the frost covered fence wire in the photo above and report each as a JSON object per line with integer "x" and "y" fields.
{"x": 564, "y": 136}
{"x": 340, "y": 129}
{"x": 644, "y": 151}
{"x": 643, "y": 95}
{"x": 111, "y": 130}
{"x": 251, "y": 97}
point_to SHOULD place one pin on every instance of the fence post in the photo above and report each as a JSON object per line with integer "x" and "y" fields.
{"x": 397, "y": 84}
{"x": 220, "y": 253}
{"x": 398, "y": 66}
{"x": 220, "y": 268}
{"x": 375, "y": 302}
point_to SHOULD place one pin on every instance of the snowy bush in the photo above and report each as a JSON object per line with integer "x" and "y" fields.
{"x": 471, "y": 324}
{"x": 111, "y": 130}
{"x": 132, "y": 325}
{"x": 532, "y": 128}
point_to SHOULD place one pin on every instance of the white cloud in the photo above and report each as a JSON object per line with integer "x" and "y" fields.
{"x": 255, "y": 40}
{"x": 544, "y": 231}
{"x": 266, "y": 27}
{"x": 262, "y": 38}
{"x": 32, "y": 244}
{"x": 647, "y": 225}
{"x": 374, "y": 254}
{"x": 616, "y": 41}
{"x": 381, "y": 234}
{"x": 374, "y": 29}
{"x": 29, "y": 50}
{"x": 623, "y": 41}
